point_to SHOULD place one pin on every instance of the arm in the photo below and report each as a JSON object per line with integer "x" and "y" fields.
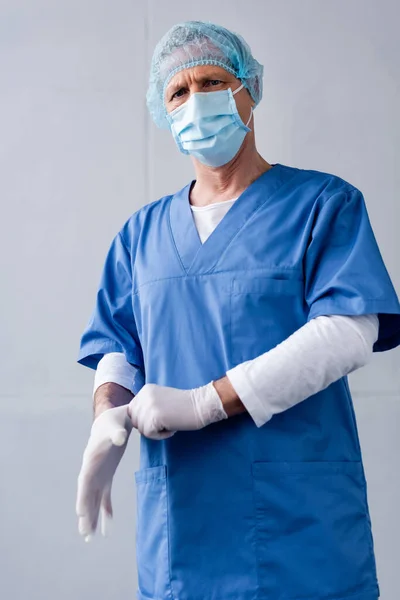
{"x": 110, "y": 329}
{"x": 319, "y": 353}
{"x": 230, "y": 400}
{"x": 110, "y": 395}
{"x": 114, "y": 382}
{"x": 108, "y": 438}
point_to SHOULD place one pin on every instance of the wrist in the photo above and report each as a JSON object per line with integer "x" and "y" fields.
{"x": 110, "y": 395}
{"x": 208, "y": 405}
{"x": 231, "y": 402}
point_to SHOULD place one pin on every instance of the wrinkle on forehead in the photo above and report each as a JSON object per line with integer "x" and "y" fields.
{"x": 200, "y": 74}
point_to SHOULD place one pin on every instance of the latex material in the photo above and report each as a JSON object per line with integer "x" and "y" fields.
{"x": 196, "y": 43}
{"x": 320, "y": 352}
{"x": 158, "y": 411}
{"x": 107, "y": 442}
{"x": 208, "y": 126}
{"x": 286, "y": 501}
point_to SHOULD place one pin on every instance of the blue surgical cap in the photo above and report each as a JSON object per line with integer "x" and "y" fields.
{"x": 197, "y": 43}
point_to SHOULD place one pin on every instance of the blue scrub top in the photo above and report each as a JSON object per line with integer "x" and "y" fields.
{"x": 233, "y": 511}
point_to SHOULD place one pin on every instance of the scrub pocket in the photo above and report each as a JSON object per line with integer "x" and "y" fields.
{"x": 152, "y": 554}
{"x": 313, "y": 534}
{"x": 264, "y": 312}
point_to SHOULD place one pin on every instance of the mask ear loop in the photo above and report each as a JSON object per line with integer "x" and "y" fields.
{"x": 251, "y": 108}
{"x": 238, "y": 89}
{"x": 251, "y": 114}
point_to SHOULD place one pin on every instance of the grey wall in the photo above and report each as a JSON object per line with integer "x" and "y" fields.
{"x": 78, "y": 156}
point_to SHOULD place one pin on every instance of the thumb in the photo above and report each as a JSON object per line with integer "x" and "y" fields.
{"x": 119, "y": 437}
{"x": 118, "y": 426}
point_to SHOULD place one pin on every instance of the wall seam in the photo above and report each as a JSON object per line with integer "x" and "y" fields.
{"x": 147, "y": 187}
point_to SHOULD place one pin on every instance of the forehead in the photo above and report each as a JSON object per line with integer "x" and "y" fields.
{"x": 199, "y": 73}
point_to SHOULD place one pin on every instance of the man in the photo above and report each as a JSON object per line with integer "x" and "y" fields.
{"x": 227, "y": 318}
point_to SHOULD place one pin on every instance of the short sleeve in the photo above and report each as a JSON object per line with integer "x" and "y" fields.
{"x": 344, "y": 270}
{"x": 111, "y": 327}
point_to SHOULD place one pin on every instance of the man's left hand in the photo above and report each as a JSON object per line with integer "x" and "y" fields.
{"x": 159, "y": 411}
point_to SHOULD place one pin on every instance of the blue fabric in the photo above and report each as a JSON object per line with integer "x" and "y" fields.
{"x": 197, "y": 43}
{"x": 344, "y": 270}
{"x": 111, "y": 327}
{"x": 233, "y": 511}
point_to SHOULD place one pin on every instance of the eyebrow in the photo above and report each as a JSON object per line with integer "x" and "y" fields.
{"x": 172, "y": 88}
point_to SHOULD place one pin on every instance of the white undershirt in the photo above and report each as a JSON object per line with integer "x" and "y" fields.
{"x": 206, "y": 218}
{"x": 319, "y": 353}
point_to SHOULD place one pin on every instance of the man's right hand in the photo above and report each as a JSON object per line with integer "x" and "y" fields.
{"x": 107, "y": 442}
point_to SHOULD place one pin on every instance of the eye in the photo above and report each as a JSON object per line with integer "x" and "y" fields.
{"x": 178, "y": 94}
{"x": 213, "y": 82}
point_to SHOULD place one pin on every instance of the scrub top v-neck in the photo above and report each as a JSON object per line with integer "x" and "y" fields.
{"x": 207, "y": 217}
{"x": 201, "y": 258}
{"x": 233, "y": 511}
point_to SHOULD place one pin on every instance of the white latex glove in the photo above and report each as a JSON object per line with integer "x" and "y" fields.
{"x": 158, "y": 411}
{"x": 107, "y": 442}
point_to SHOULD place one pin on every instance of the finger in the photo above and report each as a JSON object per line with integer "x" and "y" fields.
{"x": 81, "y": 497}
{"x": 106, "y": 501}
{"x": 85, "y": 528}
{"x": 88, "y": 515}
{"x": 160, "y": 435}
{"x": 95, "y": 512}
{"x": 166, "y": 434}
{"x": 85, "y": 494}
{"x": 105, "y": 523}
{"x": 106, "y": 512}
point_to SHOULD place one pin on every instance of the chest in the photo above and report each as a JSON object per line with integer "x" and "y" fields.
{"x": 222, "y": 302}
{"x": 272, "y": 241}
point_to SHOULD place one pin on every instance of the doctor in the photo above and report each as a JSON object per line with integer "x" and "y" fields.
{"x": 227, "y": 318}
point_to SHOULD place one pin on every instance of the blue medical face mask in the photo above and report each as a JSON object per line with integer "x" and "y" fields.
{"x": 208, "y": 126}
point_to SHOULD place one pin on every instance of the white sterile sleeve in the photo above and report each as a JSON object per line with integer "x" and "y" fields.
{"x": 319, "y": 353}
{"x": 114, "y": 368}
